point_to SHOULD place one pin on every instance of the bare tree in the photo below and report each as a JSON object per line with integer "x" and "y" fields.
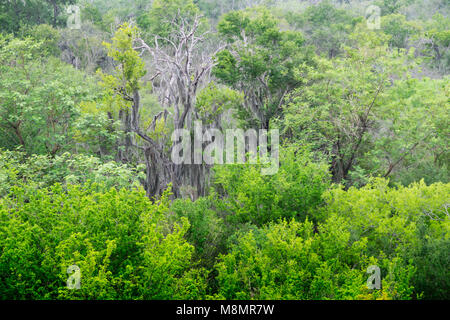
{"x": 182, "y": 64}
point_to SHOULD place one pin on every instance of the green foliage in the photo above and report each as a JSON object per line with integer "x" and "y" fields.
{"x": 355, "y": 106}
{"x": 16, "y": 13}
{"x": 91, "y": 13}
{"x": 391, "y": 6}
{"x": 214, "y": 9}
{"x": 38, "y": 98}
{"x": 96, "y": 130}
{"x": 415, "y": 133}
{"x": 374, "y": 225}
{"x": 214, "y": 101}
{"x": 431, "y": 259}
{"x": 294, "y": 192}
{"x": 207, "y": 229}
{"x": 46, "y": 34}
{"x": 158, "y": 21}
{"x": 409, "y": 222}
{"x": 289, "y": 261}
{"x": 325, "y": 26}
{"x": 367, "y": 123}
{"x": 130, "y": 67}
{"x": 262, "y": 61}
{"x": 41, "y": 171}
{"x": 122, "y": 243}
{"x": 436, "y": 40}
{"x": 399, "y": 29}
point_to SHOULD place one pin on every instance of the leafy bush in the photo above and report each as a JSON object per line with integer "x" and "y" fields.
{"x": 207, "y": 230}
{"x": 43, "y": 171}
{"x": 405, "y": 221}
{"x": 295, "y": 191}
{"x": 375, "y": 225}
{"x": 430, "y": 256}
{"x": 123, "y": 244}
{"x": 289, "y": 261}
{"x": 39, "y": 96}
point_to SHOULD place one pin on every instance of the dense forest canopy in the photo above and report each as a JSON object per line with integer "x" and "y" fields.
{"x": 97, "y": 97}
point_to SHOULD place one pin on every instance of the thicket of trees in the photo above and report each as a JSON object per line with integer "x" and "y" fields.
{"x": 86, "y": 123}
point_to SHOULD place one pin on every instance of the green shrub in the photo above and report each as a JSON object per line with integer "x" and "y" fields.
{"x": 432, "y": 260}
{"x": 207, "y": 231}
{"x": 123, "y": 244}
{"x": 294, "y": 192}
{"x": 16, "y": 168}
{"x": 289, "y": 261}
{"x": 404, "y": 231}
{"x": 409, "y": 222}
